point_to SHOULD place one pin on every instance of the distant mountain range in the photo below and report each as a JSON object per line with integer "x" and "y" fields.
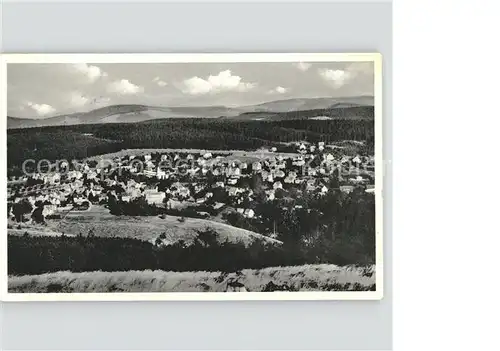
{"x": 314, "y": 108}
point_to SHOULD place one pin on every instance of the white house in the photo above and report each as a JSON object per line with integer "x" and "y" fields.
{"x": 54, "y": 178}
{"x": 91, "y": 175}
{"x": 218, "y": 205}
{"x": 328, "y": 157}
{"x": 358, "y": 179}
{"x": 49, "y": 210}
{"x": 236, "y": 172}
{"x": 278, "y": 185}
{"x": 154, "y": 197}
{"x": 356, "y": 159}
{"x": 126, "y": 198}
{"x": 346, "y": 188}
{"x": 311, "y": 171}
{"x": 75, "y": 174}
{"x": 279, "y": 174}
{"x": 79, "y": 200}
{"x": 270, "y": 195}
{"x": 289, "y": 180}
{"x": 183, "y": 192}
{"x": 256, "y": 166}
{"x": 193, "y": 171}
{"x": 161, "y": 174}
{"x": 232, "y": 181}
{"x": 234, "y": 191}
{"x": 249, "y": 213}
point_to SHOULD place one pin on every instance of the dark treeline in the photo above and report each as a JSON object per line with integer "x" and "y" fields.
{"x": 353, "y": 112}
{"x": 69, "y": 142}
{"x": 43, "y": 254}
{"x": 36, "y": 255}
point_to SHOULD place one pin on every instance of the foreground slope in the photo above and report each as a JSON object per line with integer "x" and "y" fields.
{"x": 321, "y": 277}
{"x": 147, "y": 228}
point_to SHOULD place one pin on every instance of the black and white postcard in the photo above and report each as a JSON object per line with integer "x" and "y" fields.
{"x": 192, "y": 177}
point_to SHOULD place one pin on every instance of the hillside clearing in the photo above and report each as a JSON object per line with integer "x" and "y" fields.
{"x": 149, "y": 228}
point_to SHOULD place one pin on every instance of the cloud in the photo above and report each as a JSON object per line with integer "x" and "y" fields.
{"x": 102, "y": 100}
{"x": 160, "y": 82}
{"x": 303, "y": 66}
{"x": 278, "y": 90}
{"x": 356, "y": 68}
{"x": 41, "y": 109}
{"x": 224, "y": 81}
{"x": 340, "y": 77}
{"x": 92, "y": 73}
{"x": 77, "y": 99}
{"x": 124, "y": 87}
{"x": 337, "y": 77}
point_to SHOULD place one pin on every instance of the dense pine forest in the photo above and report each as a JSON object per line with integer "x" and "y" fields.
{"x": 80, "y": 141}
{"x": 353, "y": 112}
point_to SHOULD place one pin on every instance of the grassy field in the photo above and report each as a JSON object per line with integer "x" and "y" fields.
{"x": 34, "y": 232}
{"x": 322, "y": 277}
{"x": 144, "y": 228}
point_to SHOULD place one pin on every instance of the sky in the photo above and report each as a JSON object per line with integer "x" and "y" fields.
{"x": 46, "y": 90}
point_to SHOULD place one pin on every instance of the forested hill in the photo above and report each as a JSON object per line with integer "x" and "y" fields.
{"x": 352, "y": 107}
{"x": 335, "y": 112}
{"x": 80, "y": 141}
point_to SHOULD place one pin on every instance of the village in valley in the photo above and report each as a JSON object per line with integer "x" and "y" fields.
{"x": 220, "y": 185}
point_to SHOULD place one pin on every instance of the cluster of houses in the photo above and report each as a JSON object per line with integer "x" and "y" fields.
{"x": 195, "y": 178}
